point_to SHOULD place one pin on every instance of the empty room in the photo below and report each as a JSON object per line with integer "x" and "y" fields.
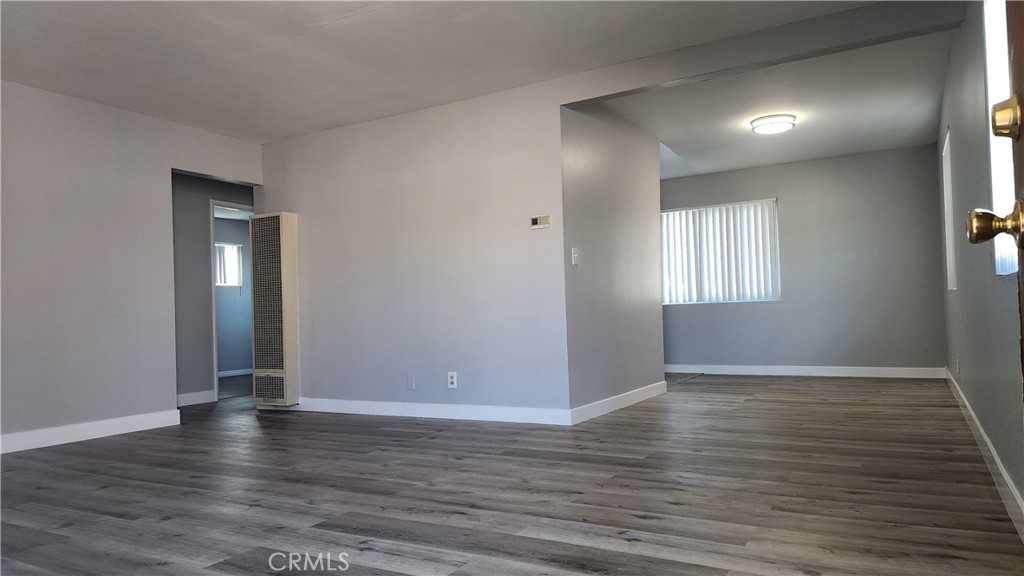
{"x": 511, "y": 288}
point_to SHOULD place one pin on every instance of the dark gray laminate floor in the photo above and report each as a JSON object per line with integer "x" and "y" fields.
{"x": 722, "y": 475}
{"x": 234, "y": 386}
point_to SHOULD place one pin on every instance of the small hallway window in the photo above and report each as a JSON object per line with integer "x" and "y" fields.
{"x": 228, "y": 264}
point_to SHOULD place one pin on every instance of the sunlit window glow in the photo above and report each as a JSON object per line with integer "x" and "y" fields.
{"x": 997, "y": 72}
{"x": 228, "y": 265}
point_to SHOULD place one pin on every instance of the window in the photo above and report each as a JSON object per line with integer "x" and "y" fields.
{"x": 229, "y": 264}
{"x": 997, "y": 74}
{"x": 726, "y": 253}
{"x": 952, "y": 230}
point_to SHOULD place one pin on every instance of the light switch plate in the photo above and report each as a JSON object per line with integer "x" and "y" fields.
{"x": 541, "y": 221}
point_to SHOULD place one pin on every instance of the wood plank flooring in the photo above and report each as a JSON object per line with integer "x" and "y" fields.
{"x": 234, "y": 386}
{"x": 734, "y": 476}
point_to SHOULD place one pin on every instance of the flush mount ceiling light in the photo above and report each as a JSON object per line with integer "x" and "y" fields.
{"x": 774, "y": 124}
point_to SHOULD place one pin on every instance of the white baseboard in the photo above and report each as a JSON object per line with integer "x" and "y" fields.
{"x": 227, "y": 373}
{"x": 823, "y": 371}
{"x": 1007, "y": 491}
{"x": 202, "y": 397}
{"x": 595, "y": 409}
{"x": 18, "y": 441}
{"x": 558, "y": 416}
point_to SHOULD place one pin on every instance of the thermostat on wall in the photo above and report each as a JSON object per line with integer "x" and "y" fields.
{"x": 542, "y": 221}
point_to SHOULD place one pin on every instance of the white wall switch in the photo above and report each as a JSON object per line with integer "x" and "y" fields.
{"x": 410, "y": 382}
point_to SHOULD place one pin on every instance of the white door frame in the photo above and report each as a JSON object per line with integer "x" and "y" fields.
{"x": 213, "y": 279}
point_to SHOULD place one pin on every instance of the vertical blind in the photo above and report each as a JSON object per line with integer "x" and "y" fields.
{"x": 228, "y": 269}
{"x": 727, "y": 253}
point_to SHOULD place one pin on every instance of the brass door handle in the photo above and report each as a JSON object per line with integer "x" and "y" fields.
{"x": 984, "y": 225}
{"x": 1006, "y": 118}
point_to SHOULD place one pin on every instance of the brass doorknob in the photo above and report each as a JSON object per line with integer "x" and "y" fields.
{"x": 1006, "y": 118}
{"x": 984, "y": 225}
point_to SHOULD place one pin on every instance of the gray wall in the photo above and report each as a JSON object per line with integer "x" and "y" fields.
{"x": 429, "y": 266}
{"x": 88, "y": 285}
{"x": 982, "y": 320}
{"x": 861, "y": 260}
{"x": 234, "y": 303}
{"x": 193, "y": 275}
{"x": 415, "y": 253}
{"x": 613, "y": 296}
{"x": 453, "y": 185}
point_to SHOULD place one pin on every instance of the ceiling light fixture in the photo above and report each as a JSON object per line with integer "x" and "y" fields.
{"x": 774, "y": 124}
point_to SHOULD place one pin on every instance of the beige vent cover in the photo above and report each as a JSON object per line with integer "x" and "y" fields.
{"x": 275, "y": 309}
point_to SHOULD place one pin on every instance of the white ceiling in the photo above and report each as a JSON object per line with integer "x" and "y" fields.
{"x": 268, "y": 70}
{"x": 876, "y": 98}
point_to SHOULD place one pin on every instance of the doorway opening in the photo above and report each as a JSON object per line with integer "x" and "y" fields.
{"x": 197, "y": 200}
{"x": 232, "y": 298}
{"x": 743, "y": 290}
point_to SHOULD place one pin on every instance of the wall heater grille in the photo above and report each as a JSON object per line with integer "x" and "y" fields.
{"x": 275, "y": 327}
{"x": 269, "y": 387}
{"x": 267, "y": 319}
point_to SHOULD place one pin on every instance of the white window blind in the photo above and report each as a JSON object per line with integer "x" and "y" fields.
{"x": 228, "y": 268}
{"x": 727, "y": 253}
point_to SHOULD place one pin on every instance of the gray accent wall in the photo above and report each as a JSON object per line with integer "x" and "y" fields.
{"x": 982, "y": 319}
{"x": 88, "y": 277}
{"x": 861, "y": 260}
{"x": 610, "y": 194}
{"x": 193, "y": 276}
{"x": 234, "y": 303}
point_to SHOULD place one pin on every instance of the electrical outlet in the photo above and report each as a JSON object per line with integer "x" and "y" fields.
{"x": 410, "y": 382}
{"x": 453, "y": 379}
